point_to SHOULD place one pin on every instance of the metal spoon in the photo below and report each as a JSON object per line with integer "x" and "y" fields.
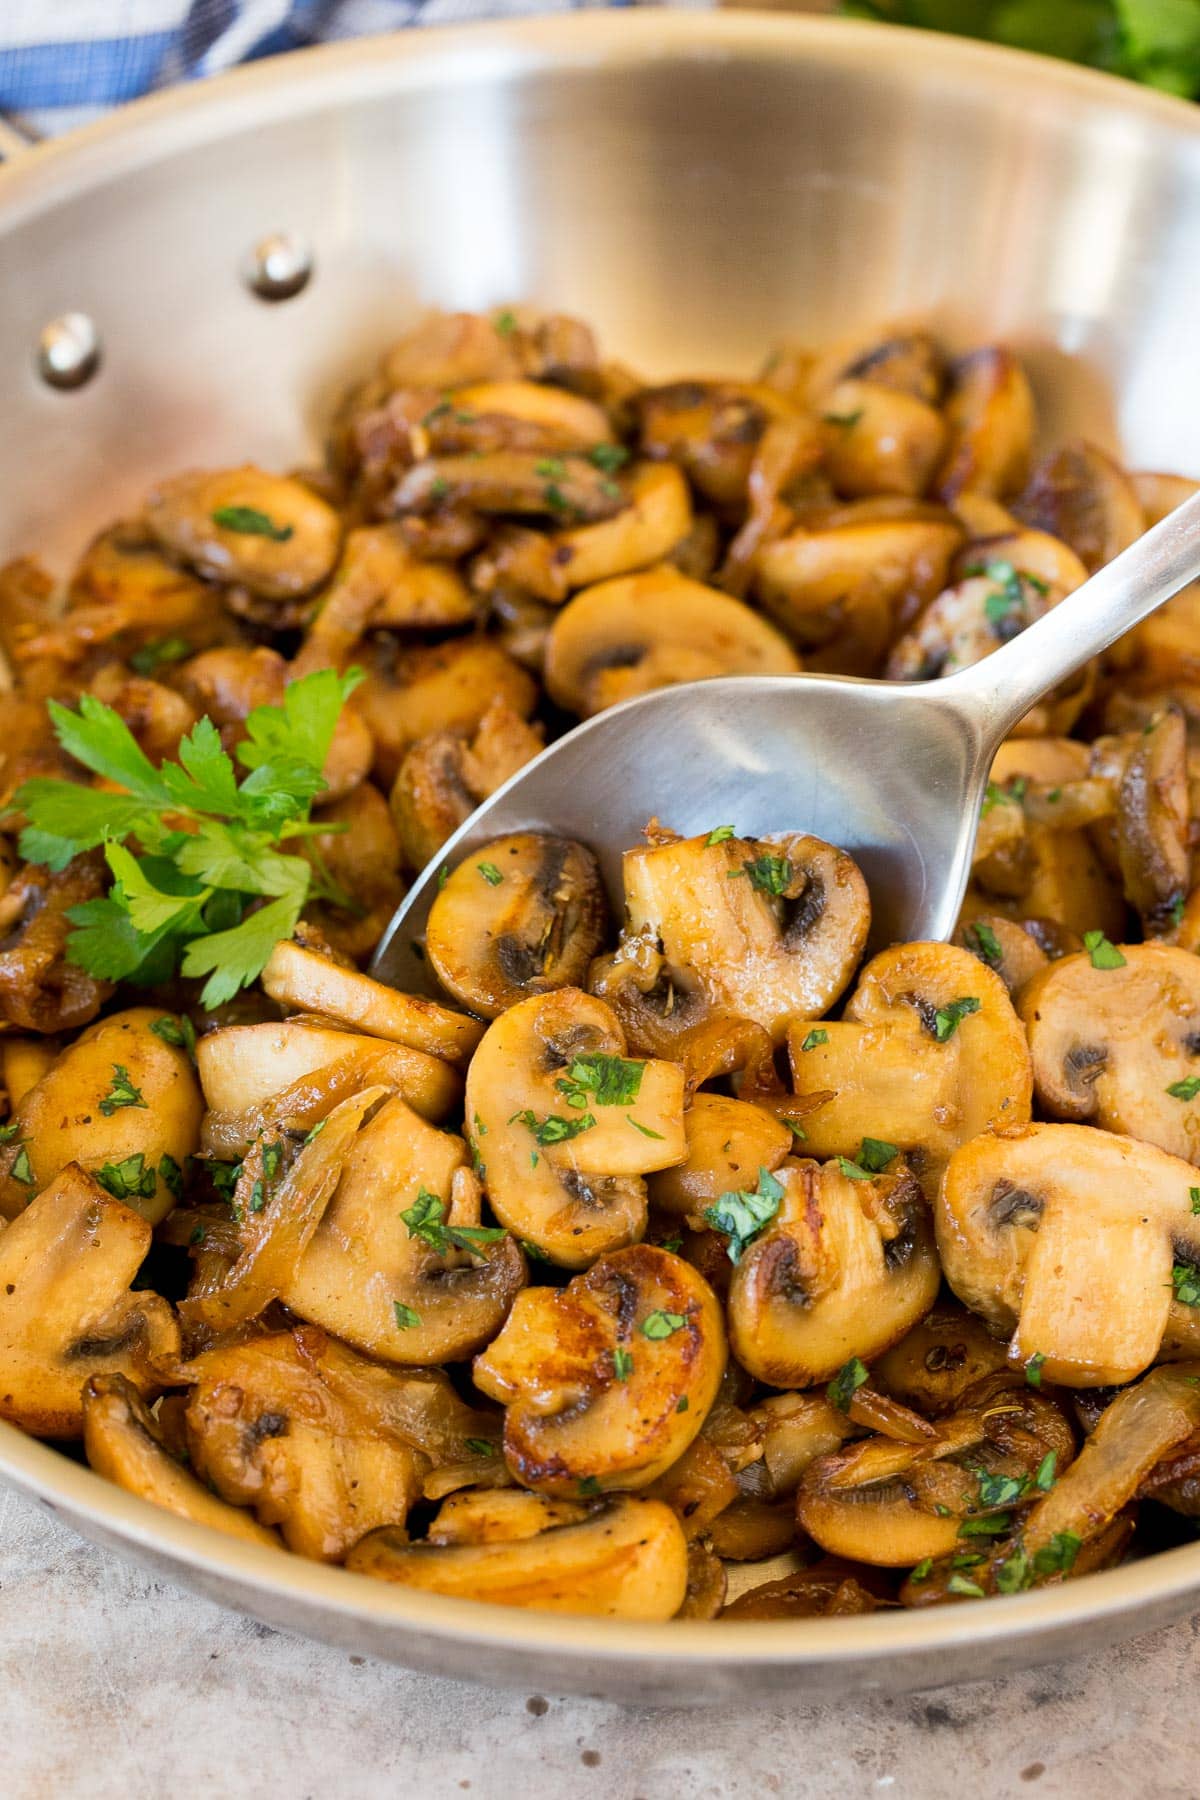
{"x": 893, "y": 772}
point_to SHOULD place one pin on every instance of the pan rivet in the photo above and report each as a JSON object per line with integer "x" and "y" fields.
{"x": 68, "y": 351}
{"x": 278, "y": 267}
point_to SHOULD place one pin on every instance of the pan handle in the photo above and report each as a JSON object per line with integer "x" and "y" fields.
{"x": 15, "y": 138}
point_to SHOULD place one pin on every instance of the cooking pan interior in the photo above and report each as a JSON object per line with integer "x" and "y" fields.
{"x": 698, "y": 187}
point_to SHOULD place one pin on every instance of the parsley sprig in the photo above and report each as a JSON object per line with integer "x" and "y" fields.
{"x": 425, "y": 1219}
{"x": 192, "y": 899}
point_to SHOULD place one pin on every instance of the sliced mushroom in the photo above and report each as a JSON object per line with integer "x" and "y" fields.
{"x": 266, "y": 1429}
{"x": 1071, "y": 1236}
{"x": 766, "y": 929}
{"x": 833, "y": 1589}
{"x": 444, "y": 777}
{"x": 1010, "y": 949}
{"x": 123, "y": 1102}
{"x": 288, "y": 1076}
{"x": 880, "y": 439}
{"x": 711, "y": 429}
{"x": 565, "y": 488}
{"x": 400, "y": 1265}
{"x": 894, "y": 1503}
{"x": 625, "y": 1559}
{"x": 522, "y": 915}
{"x": 40, "y": 990}
{"x": 796, "y": 1430}
{"x": 846, "y": 579}
{"x": 126, "y": 594}
{"x": 269, "y": 533}
{"x": 123, "y": 1443}
{"x": 991, "y": 416}
{"x": 904, "y": 360}
{"x": 301, "y": 974}
{"x": 1118, "y": 1047}
{"x": 607, "y": 1381}
{"x": 380, "y": 584}
{"x": 1159, "y": 495}
{"x": 23, "y": 1062}
{"x": 728, "y": 1142}
{"x": 564, "y": 1125}
{"x": 927, "y": 1054}
{"x": 358, "y": 852}
{"x": 1149, "y": 771}
{"x": 934, "y": 1364}
{"x": 66, "y": 1312}
{"x": 655, "y": 517}
{"x": 651, "y": 630}
{"x": 411, "y": 694}
{"x": 845, "y": 1268}
{"x": 1083, "y": 497}
{"x": 698, "y": 1487}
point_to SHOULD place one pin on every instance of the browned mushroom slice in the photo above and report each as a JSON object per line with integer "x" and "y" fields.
{"x": 706, "y": 1585}
{"x": 895, "y": 1503}
{"x": 226, "y": 685}
{"x": 879, "y": 439}
{"x": 520, "y": 916}
{"x": 728, "y": 1142}
{"x": 1009, "y": 948}
{"x": 126, "y": 594}
{"x": 1149, "y": 771}
{"x": 123, "y": 1102}
{"x": 607, "y": 1381}
{"x": 1159, "y": 495}
{"x": 928, "y": 1053}
{"x": 40, "y": 990}
{"x": 379, "y": 584}
{"x": 845, "y": 1267}
{"x": 23, "y": 1062}
{"x": 448, "y": 350}
{"x": 1083, "y": 497}
{"x": 400, "y": 1264}
{"x": 444, "y": 777}
{"x": 655, "y": 517}
{"x": 66, "y": 1311}
{"x": 123, "y": 1443}
{"x": 357, "y": 850}
{"x": 903, "y": 360}
{"x": 564, "y": 1125}
{"x": 796, "y": 1430}
{"x": 646, "y": 631}
{"x": 1115, "y": 1036}
{"x": 564, "y": 488}
{"x": 832, "y": 1589}
{"x": 266, "y": 532}
{"x": 626, "y": 1559}
{"x": 302, "y": 975}
{"x": 990, "y": 413}
{"x": 698, "y": 1486}
{"x": 766, "y": 929}
{"x": 287, "y": 1077}
{"x": 266, "y": 1429}
{"x": 711, "y": 429}
{"x": 409, "y": 695}
{"x": 943, "y": 1355}
{"x": 1083, "y": 1241}
{"x": 846, "y": 579}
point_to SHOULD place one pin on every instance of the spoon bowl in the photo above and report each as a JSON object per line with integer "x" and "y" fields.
{"x": 893, "y": 772}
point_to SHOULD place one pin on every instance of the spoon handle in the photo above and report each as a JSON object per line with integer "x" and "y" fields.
{"x": 999, "y": 691}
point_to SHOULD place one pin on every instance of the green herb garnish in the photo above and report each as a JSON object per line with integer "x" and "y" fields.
{"x": 122, "y": 1093}
{"x": 946, "y": 1018}
{"x": 553, "y": 1129}
{"x": 406, "y": 1318}
{"x": 601, "y": 1079}
{"x": 129, "y": 1179}
{"x": 490, "y": 873}
{"x": 622, "y": 1364}
{"x": 180, "y": 1032}
{"x": 1103, "y": 954}
{"x": 846, "y": 1383}
{"x": 814, "y": 1038}
{"x": 741, "y": 1216}
{"x": 248, "y": 521}
{"x": 719, "y": 836}
{"x": 662, "y": 1324}
{"x": 158, "y": 652}
{"x": 982, "y": 940}
{"x": 425, "y": 1219}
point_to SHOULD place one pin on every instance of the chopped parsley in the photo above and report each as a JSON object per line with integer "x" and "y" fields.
{"x": 622, "y": 1362}
{"x": 316, "y": 1131}
{"x": 1187, "y": 1089}
{"x": 121, "y": 1093}
{"x": 962, "y": 1584}
{"x": 553, "y": 1129}
{"x": 770, "y": 874}
{"x": 22, "y": 1168}
{"x": 608, "y": 457}
{"x": 480, "y": 1446}
{"x": 847, "y": 421}
{"x": 815, "y": 1038}
{"x": 180, "y": 1032}
{"x": 923, "y": 1569}
{"x": 1185, "y": 1279}
{"x": 1103, "y": 954}
{"x": 506, "y": 322}
{"x": 589, "y": 1486}
{"x": 1175, "y": 910}
{"x": 490, "y": 873}
{"x": 425, "y": 1219}
{"x": 718, "y": 836}
{"x": 406, "y": 1318}
{"x": 1044, "y": 1478}
{"x": 248, "y": 521}
{"x": 153, "y": 655}
{"x": 1033, "y": 1369}
{"x": 662, "y": 1324}
{"x": 272, "y": 1160}
{"x": 683, "y": 1404}
{"x": 172, "y": 1176}
{"x": 946, "y": 1018}
{"x": 1194, "y": 1197}
{"x": 876, "y": 1153}
{"x": 1001, "y": 1490}
{"x": 994, "y": 1525}
{"x": 129, "y": 1179}
{"x": 995, "y": 795}
{"x": 602, "y": 1079}
{"x": 258, "y": 1197}
{"x": 1058, "y": 1556}
{"x": 984, "y": 943}
{"x": 644, "y": 1129}
{"x": 741, "y": 1216}
{"x": 8, "y": 1132}
{"x": 846, "y": 1383}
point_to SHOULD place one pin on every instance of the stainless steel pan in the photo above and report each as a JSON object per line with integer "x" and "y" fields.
{"x": 697, "y": 185}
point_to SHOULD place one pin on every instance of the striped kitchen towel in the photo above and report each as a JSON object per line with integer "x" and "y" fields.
{"x": 64, "y": 61}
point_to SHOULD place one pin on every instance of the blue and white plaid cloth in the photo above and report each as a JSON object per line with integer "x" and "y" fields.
{"x": 64, "y": 61}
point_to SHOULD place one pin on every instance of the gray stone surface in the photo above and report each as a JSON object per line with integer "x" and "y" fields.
{"x": 115, "y": 1686}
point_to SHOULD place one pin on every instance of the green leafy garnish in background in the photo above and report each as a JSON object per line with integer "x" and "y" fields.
{"x": 207, "y": 844}
{"x": 1153, "y": 41}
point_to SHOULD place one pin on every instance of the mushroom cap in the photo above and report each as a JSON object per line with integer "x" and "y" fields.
{"x": 522, "y": 915}
{"x": 626, "y": 1559}
{"x": 768, "y": 929}
{"x": 1109, "y": 1044}
{"x": 728, "y": 1142}
{"x": 1070, "y": 1235}
{"x": 845, "y": 1269}
{"x": 288, "y": 550}
{"x": 564, "y": 1125}
{"x": 606, "y": 1381}
{"x": 991, "y": 418}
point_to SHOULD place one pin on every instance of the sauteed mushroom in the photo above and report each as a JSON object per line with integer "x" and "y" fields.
{"x": 521, "y": 916}
{"x": 990, "y": 413}
{"x": 40, "y": 988}
{"x": 444, "y": 777}
{"x": 943, "y": 1355}
{"x": 267, "y": 532}
{"x": 1081, "y": 496}
{"x": 606, "y": 1381}
{"x": 66, "y": 1312}
{"x": 639, "y": 632}
{"x": 410, "y": 694}
{"x": 728, "y": 1142}
{"x": 1081, "y": 1243}
{"x": 845, "y": 1267}
{"x": 879, "y": 439}
{"x": 626, "y": 1559}
{"x": 564, "y": 1125}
